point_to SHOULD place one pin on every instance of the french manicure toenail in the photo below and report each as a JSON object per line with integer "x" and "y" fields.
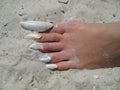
{"x": 45, "y": 58}
{"x": 51, "y": 66}
{"x": 33, "y": 36}
{"x": 36, "y": 26}
{"x": 36, "y": 46}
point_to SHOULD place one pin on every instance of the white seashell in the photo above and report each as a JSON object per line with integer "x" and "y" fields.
{"x": 36, "y": 46}
{"x": 45, "y": 58}
{"x": 51, "y": 66}
{"x": 33, "y": 36}
{"x": 36, "y": 26}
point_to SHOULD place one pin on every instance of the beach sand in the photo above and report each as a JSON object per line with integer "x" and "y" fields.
{"x": 20, "y": 68}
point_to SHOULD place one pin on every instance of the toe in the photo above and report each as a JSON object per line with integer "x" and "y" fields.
{"x": 48, "y": 37}
{"x": 47, "y": 47}
{"x": 59, "y": 56}
{"x": 52, "y": 47}
{"x": 58, "y": 28}
{"x": 65, "y": 65}
{"x": 54, "y": 57}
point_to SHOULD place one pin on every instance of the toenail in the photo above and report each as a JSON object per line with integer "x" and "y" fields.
{"x": 33, "y": 36}
{"x": 36, "y": 26}
{"x": 36, "y": 46}
{"x": 45, "y": 58}
{"x": 51, "y": 66}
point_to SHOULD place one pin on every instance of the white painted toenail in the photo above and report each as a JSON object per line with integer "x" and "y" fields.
{"x": 45, "y": 58}
{"x": 33, "y": 36}
{"x": 36, "y": 26}
{"x": 36, "y": 46}
{"x": 51, "y": 66}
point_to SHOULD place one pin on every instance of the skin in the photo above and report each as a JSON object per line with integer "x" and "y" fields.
{"x": 76, "y": 45}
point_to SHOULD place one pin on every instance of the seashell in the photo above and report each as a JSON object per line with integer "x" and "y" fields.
{"x": 33, "y": 36}
{"x": 36, "y": 46}
{"x": 36, "y": 26}
{"x": 51, "y": 66}
{"x": 45, "y": 58}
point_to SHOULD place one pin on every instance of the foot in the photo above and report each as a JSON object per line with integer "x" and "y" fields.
{"x": 76, "y": 45}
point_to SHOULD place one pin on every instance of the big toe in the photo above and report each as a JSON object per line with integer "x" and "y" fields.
{"x": 58, "y": 28}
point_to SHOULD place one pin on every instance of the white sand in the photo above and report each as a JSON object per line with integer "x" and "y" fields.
{"x": 20, "y": 68}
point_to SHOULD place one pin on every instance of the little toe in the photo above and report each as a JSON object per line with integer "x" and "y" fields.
{"x": 64, "y": 65}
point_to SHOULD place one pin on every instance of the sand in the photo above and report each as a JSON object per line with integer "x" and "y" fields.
{"x": 20, "y": 68}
